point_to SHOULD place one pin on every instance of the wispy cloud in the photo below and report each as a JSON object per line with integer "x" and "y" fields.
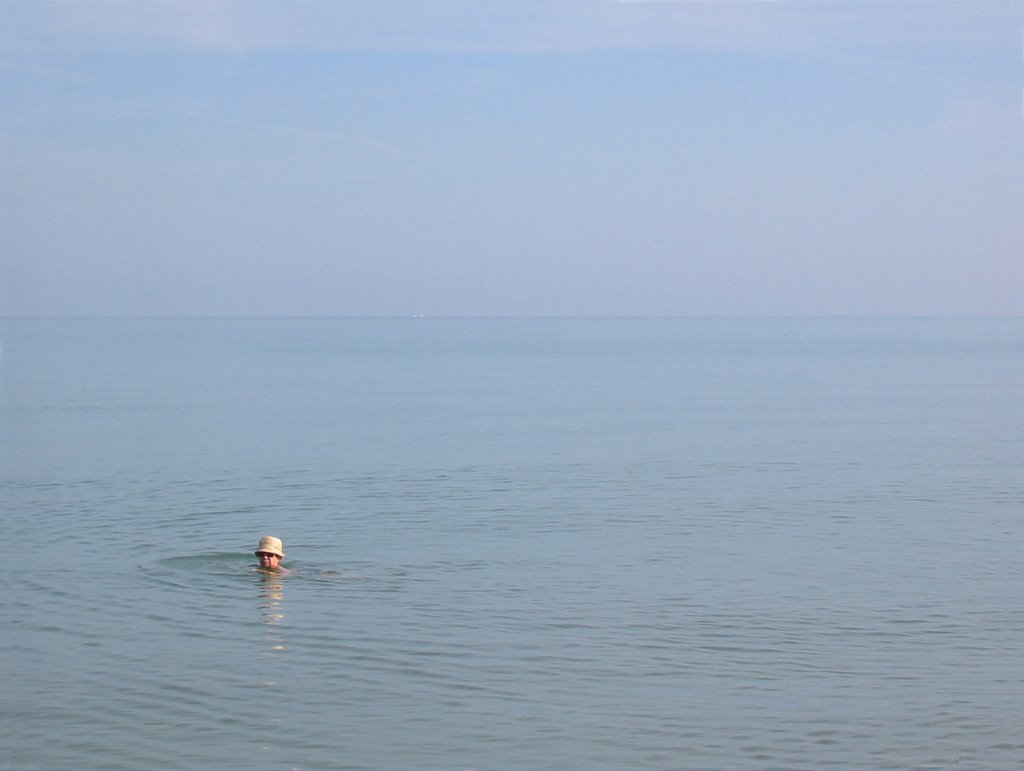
{"x": 301, "y": 132}
{"x": 237, "y": 26}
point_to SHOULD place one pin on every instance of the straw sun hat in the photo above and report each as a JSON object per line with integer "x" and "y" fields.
{"x": 271, "y": 545}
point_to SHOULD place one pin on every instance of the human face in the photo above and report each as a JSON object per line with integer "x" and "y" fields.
{"x": 267, "y": 560}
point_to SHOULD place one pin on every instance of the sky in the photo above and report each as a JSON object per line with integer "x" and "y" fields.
{"x": 511, "y": 158}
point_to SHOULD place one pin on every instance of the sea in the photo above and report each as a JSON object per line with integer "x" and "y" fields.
{"x": 513, "y": 543}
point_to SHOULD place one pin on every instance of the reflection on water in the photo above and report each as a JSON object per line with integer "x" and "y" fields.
{"x": 719, "y": 544}
{"x": 271, "y": 606}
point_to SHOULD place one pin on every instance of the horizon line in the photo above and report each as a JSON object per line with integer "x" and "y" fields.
{"x": 210, "y": 317}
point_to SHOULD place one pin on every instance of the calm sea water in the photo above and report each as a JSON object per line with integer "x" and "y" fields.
{"x": 519, "y": 544}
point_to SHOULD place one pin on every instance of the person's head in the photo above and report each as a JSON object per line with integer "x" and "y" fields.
{"x": 270, "y": 552}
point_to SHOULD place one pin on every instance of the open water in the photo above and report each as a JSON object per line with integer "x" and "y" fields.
{"x": 517, "y": 543}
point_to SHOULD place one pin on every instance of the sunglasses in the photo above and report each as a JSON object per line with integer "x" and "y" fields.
{"x": 266, "y": 554}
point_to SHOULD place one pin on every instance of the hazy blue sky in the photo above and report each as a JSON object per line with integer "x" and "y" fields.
{"x": 553, "y": 157}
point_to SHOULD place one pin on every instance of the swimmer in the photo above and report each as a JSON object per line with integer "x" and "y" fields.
{"x": 270, "y": 552}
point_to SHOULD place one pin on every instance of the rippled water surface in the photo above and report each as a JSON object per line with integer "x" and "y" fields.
{"x": 575, "y": 543}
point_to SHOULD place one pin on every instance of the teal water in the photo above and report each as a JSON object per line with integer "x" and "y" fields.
{"x": 517, "y": 543}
